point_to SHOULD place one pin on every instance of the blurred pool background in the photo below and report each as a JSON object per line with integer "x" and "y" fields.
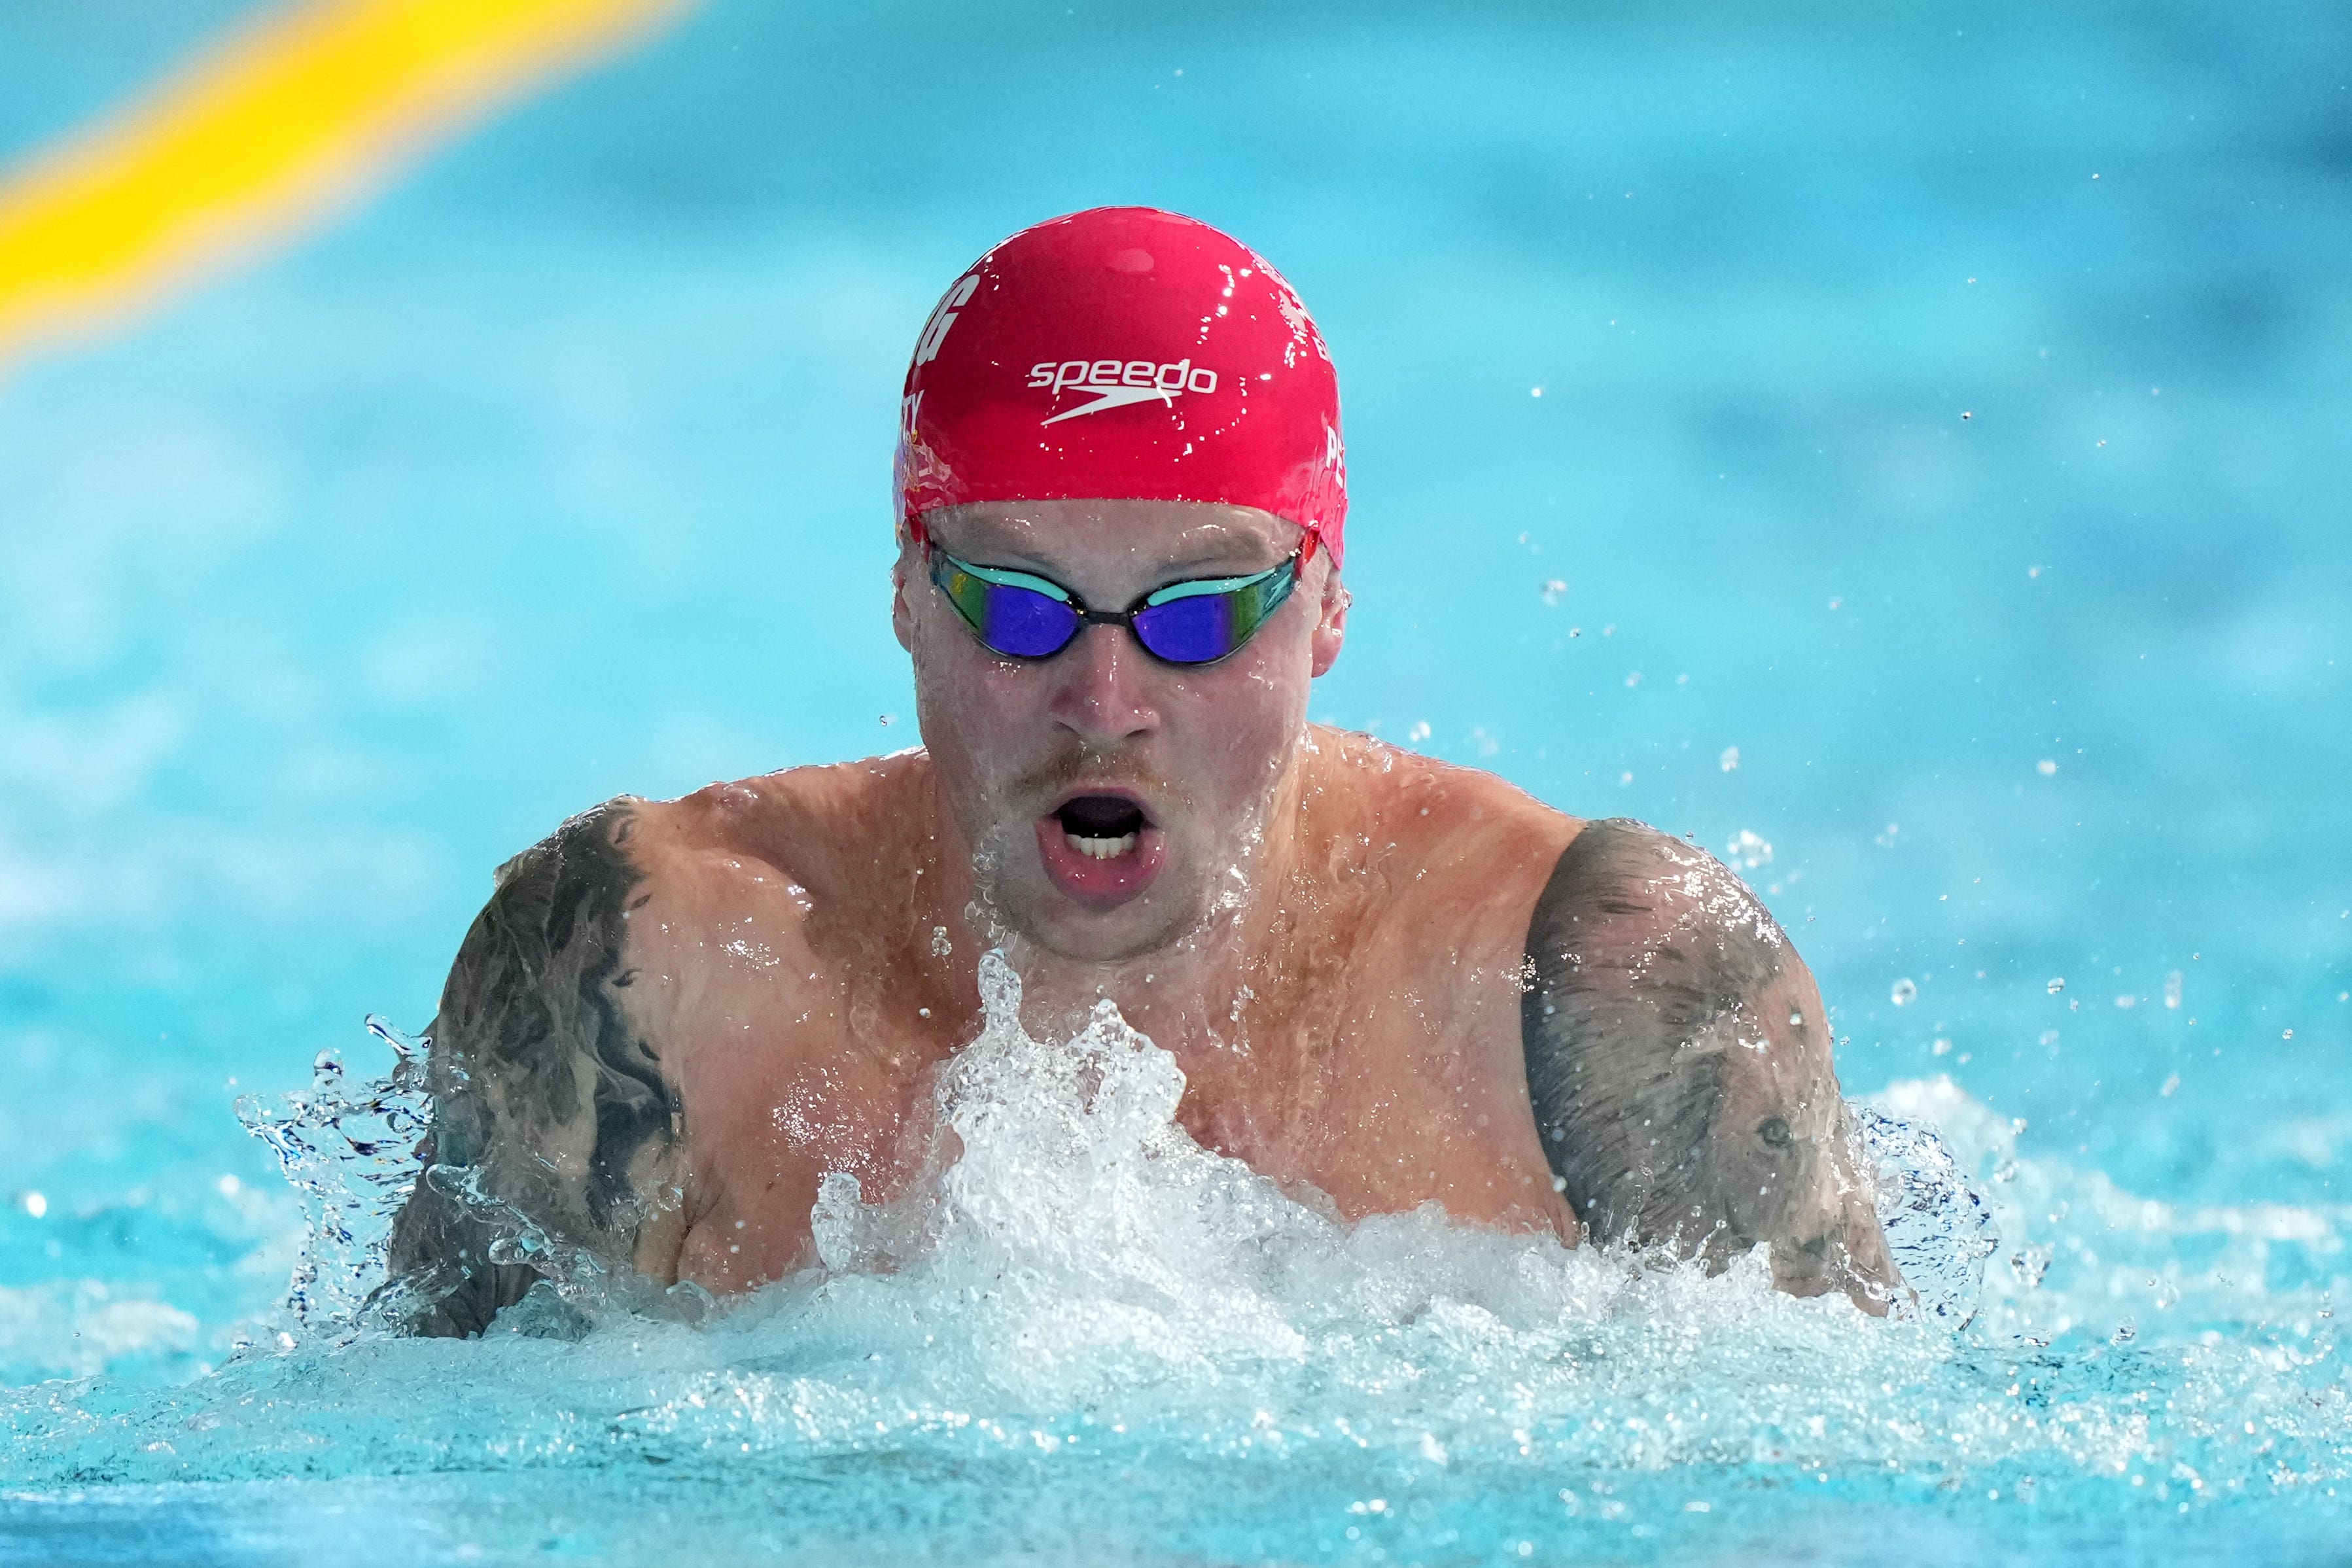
{"x": 1913, "y": 438}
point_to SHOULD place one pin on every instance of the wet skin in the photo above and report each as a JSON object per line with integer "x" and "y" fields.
{"x": 675, "y": 1018}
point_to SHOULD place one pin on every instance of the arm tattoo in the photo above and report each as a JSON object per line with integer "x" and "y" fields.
{"x": 549, "y": 1101}
{"x": 1680, "y": 1070}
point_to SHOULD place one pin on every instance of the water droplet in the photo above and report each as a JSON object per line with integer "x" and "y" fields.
{"x": 1729, "y": 759}
{"x": 1419, "y": 732}
{"x": 37, "y": 1204}
{"x": 2047, "y": 768}
{"x": 1905, "y": 992}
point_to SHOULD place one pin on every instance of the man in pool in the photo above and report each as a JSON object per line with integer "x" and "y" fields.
{"x": 1121, "y": 500}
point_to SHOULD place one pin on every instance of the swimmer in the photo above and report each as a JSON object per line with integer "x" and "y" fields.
{"x": 1121, "y": 498}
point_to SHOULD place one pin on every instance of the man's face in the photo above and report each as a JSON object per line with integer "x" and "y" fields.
{"x": 1112, "y": 800}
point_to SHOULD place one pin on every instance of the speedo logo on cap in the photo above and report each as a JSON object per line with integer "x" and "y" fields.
{"x": 1115, "y": 383}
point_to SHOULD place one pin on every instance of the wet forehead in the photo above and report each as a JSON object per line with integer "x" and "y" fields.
{"x": 1118, "y": 544}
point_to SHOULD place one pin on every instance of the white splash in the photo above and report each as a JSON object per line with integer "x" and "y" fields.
{"x": 1075, "y": 1273}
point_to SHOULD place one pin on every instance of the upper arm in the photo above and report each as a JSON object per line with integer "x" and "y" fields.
{"x": 1679, "y": 1061}
{"x": 553, "y": 1114}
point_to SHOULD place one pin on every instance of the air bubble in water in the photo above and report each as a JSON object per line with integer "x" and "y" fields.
{"x": 2030, "y": 1263}
{"x": 1748, "y": 849}
{"x": 2057, "y": 984}
{"x": 1905, "y": 992}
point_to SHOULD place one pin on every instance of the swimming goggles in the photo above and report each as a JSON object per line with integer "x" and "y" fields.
{"x": 1199, "y": 622}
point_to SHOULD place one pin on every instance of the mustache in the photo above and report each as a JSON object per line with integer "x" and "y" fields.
{"x": 1085, "y": 766}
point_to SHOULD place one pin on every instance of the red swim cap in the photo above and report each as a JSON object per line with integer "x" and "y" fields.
{"x": 1131, "y": 354}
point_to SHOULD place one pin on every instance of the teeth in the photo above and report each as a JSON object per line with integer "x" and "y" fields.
{"x": 1101, "y": 849}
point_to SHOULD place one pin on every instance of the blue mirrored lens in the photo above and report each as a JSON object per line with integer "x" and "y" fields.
{"x": 1194, "y": 630}
{"x": 1023, "y": 623}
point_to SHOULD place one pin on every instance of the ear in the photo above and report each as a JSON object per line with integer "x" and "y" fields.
{"x": 1332, "y": 620}
{"x": 902, "y": 608}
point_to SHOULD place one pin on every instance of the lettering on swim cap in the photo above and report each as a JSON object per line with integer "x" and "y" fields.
{"x": 1124, "y": 353}
{"x": 1115, "y": 383}
{"x": 935, "y": 330}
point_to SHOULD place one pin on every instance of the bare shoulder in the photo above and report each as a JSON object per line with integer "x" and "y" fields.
{"x": 817, "y": 824}
{"x": 1443, "y": 866}
{"x": 1434, "y": 813}
{"x": 773, "y": 894}
{"x": 1679, "y": 1061}
{"x": 607, "y": 955}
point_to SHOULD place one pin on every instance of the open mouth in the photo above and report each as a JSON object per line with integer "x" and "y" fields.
{"x": 1099, "y": 849}
{"x": 1101, "y": 826}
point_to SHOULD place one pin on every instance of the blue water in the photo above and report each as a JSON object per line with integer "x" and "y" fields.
{"x": 340, "y": 579}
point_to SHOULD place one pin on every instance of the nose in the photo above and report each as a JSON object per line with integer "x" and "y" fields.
{"x": 1103, "y": 692}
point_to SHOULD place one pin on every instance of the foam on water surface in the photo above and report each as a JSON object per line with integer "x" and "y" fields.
{"x": 1082, "y": 1308}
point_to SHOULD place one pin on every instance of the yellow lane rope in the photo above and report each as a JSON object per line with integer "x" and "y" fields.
{"x": 265, "y": 131}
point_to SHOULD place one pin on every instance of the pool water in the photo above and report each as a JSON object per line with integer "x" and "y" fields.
{"x": 1899, "y": 449}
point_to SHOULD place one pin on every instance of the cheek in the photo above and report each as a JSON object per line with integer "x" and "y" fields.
{"x": 970, "y": 707}
{"x": 1234, "y": 724}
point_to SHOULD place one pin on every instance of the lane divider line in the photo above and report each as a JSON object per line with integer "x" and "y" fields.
{"x": 296, "y": 115}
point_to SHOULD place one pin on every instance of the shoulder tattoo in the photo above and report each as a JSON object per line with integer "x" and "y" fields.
{"x": 1680, "y": 1067}
{"x": 550, "y": 1101}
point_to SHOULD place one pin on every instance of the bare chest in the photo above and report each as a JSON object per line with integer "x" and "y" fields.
{"x": 1396, "y": 1096}
{"x": 1384, "y": 1100}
